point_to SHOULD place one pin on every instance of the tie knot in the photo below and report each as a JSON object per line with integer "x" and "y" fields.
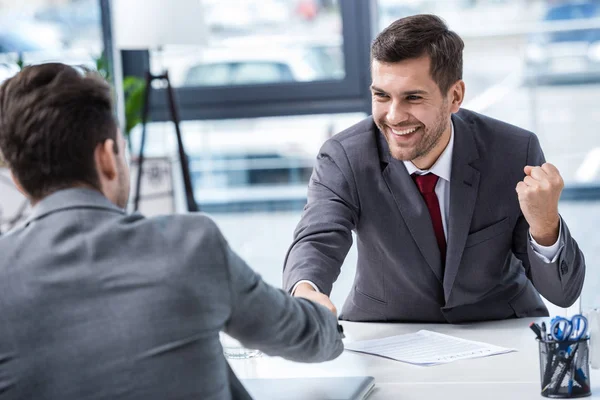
{"x": 426, "y": 183}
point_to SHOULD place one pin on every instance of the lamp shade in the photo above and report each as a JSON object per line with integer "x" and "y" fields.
{"x": 149, "y": 24}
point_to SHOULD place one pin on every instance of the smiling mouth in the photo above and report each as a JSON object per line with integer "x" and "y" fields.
{"x": 403, "y": 132}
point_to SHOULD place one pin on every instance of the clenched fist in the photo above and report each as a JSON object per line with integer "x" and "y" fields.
{"x": 538, "y": 196}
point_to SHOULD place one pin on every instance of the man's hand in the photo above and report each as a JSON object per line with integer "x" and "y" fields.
{"x": 308, "y": 292}
{"x": 538, "y": 196}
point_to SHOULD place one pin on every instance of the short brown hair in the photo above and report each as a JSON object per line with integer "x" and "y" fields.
{"x": 417, "y": 35}
{"x": 52, "y": 117}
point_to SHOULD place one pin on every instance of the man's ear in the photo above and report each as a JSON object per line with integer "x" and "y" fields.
{"x": 457, "y": 95}
{"x": 106, "y": 159}
{"x": 18, "y": 185}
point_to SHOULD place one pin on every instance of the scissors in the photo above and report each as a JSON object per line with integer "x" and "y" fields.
{"x": 564, "y": 330}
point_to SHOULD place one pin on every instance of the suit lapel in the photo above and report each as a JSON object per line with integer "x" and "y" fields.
{"x": 464, "y": 185}
{"x": 412, "y": 207}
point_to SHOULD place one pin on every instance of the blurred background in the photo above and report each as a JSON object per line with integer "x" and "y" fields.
{"x": 266, "y": 82}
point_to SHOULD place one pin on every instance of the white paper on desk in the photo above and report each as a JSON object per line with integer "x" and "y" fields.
{"x": 426, "y": 348}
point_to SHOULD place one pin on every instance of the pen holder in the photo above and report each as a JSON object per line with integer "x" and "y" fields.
{"x": 564, "y": 369}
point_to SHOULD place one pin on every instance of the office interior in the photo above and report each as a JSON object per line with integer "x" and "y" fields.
{"x": 261, "y": 84}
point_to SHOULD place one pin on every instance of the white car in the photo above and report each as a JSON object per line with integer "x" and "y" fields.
{"x": 229, "y": 67}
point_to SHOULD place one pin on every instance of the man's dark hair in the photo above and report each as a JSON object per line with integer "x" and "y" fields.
{"x": 52, "y": 117}
{"x": 420, "y": 35}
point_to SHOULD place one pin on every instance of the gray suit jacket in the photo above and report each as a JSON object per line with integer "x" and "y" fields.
{"x": 97, "y": 304}
{"x": 491, "y": 271}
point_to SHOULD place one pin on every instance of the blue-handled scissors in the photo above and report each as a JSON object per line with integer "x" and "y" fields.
{"x": 563, "y": 329}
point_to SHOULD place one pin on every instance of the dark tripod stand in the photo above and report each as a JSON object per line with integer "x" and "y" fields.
{"x": 183, "y": 159}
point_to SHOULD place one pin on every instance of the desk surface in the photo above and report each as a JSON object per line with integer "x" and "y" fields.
{"x": 508, "y": 376}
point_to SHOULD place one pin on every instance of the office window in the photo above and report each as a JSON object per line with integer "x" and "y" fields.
{"x": 33, "y": 32}
{"x": 266, "y": 58}
{"x": 245, "y": 165}
{"x": 258, "y": 42}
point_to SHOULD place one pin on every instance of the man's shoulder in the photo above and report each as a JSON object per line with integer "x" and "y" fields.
{"x": 196, "y": 223}
{"x": 358, "y": 140}
{"x": 169, "y": 227}
{"x": 191, "y": 240}
{"x": 488, "y": 127}
{"x": 360, "y": 132}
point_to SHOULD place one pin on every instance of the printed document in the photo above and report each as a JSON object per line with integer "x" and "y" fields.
{"x": 426, "y": 348}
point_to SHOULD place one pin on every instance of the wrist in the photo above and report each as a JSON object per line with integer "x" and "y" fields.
{"x": 546, "y": 235}
{"x": 303, "y": 288}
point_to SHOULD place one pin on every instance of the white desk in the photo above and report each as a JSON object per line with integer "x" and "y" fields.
{"x": 509, "y": 376}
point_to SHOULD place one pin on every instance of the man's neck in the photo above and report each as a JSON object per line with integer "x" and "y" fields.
{"x": 34, "y": 201}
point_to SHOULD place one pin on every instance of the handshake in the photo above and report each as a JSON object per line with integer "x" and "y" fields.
{"x": 306, "y": 291}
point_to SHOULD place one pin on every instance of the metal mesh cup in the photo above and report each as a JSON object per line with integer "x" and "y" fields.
{"x": 564, "y": 368}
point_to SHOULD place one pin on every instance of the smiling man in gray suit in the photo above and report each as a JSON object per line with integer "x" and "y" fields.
{"x": 95, "y": 303}
{"x": 455, "y": 214}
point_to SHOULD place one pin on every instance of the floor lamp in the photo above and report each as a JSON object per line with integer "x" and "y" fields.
{"x": 192, "y": 205}
{"x": 150, "y": 24}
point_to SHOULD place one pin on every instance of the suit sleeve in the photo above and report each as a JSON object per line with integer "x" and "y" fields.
{"x": 265, "y": 318}
{"x": 560, "y": 280}
{"x": 324, "y": 234}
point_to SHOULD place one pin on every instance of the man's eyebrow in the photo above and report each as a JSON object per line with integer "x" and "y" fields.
{"x": 405, "y": 93}
{"x": 413, "y": 92}
{"x": 376, "y": 89}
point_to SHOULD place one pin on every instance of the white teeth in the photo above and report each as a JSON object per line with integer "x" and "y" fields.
{"x": 404, "y": 132}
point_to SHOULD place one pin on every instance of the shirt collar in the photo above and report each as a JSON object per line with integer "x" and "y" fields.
{"x": 443, "y": 165}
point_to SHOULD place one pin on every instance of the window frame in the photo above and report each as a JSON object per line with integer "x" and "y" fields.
{"x": 346, "y": 95}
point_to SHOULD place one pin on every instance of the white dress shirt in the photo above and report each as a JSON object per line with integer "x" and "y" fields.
{"x": 443, "y": 169}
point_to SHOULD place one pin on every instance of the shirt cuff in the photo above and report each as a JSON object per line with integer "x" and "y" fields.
{"x": 548, "y": 254}
{"x": 305, "y": 281}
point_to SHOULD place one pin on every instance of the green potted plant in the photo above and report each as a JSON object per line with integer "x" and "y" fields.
{"x": 134, "y": 88}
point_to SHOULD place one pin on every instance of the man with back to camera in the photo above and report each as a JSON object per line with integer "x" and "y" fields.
{"x": 95, "y": 303}
{"x": 455, "y": 213}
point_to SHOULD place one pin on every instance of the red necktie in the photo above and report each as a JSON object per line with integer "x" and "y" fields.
{"x": 426, "y": 184}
